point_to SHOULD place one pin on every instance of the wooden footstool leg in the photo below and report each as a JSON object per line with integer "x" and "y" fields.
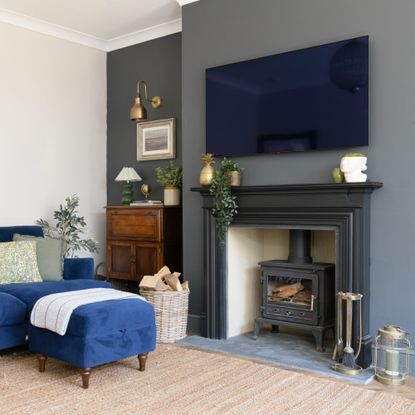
{"x": 142, "y": 358}
{"x": 42, "y": 362}
{"x": 85, "y": 373}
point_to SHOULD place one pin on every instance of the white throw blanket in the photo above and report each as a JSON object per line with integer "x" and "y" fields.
{"x": 54, "y": 311}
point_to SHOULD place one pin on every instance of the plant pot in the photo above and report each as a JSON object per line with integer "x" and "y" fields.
{"x": 171, "y": 196}
{"x": 236, "y": 178}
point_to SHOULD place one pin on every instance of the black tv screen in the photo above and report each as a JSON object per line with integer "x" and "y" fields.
{"x": 309, "y": 99}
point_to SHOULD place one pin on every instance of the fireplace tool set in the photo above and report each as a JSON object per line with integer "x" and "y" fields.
{"x": 343, "y": 351}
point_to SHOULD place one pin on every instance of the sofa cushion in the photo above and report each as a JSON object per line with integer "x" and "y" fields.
{"x": 18, "y": 262}
{"x": 75, "y": 268}
{"x": 12, "y": 310}
{"x": 7, "y": 232}
{"x": 105, "y": 317}
{"x": 49, "y": 254}
{"x": 29, "y": 293}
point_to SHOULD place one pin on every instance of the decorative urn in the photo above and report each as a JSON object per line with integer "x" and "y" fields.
{"x": 208, "y": 171}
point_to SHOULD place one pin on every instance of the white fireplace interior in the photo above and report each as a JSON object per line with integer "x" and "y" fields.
{"x": 245, "y": 248}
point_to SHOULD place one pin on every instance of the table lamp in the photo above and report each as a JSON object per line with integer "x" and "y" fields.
{"x": 128, "y": 175}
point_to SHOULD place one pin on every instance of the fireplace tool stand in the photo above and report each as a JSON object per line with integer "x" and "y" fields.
{"x": 344, "y": 353}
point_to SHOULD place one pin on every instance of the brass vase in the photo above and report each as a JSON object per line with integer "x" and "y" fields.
{"x": 236, "y": 177}
{"x": 208, "y": 171}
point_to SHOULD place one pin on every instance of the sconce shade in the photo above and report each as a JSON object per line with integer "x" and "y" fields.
{"x": 138, "y": 112}
{"x": 128, "y": 174}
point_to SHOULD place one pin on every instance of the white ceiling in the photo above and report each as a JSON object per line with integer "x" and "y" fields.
{"x": 104, "y": 24}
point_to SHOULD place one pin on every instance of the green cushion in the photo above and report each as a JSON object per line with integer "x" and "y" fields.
{"x": 49, "y": 256}
{"x": 18, "y": 262}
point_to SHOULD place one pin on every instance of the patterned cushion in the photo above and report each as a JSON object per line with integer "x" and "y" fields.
{"x": 49, "y": 256}
{"x": 18, "y": 262}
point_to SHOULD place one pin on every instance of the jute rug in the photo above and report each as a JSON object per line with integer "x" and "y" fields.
{"x": 179, "y": 380}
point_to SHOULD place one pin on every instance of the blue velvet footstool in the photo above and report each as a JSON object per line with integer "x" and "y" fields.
{"x": 99, "y": 333}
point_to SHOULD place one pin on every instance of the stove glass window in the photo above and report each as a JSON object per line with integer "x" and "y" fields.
{"x": 290, "y": 290}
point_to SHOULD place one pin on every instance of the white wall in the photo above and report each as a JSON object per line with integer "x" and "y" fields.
{"x": 52, "y": 128}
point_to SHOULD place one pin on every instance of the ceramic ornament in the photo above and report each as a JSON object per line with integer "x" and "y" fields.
{"x": 352, "y": 165}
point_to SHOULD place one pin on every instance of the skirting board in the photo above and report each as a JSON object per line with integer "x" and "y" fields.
{"x": 194, "y": 324}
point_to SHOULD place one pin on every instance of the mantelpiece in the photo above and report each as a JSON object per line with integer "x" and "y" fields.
{"x": 344, "y": 208}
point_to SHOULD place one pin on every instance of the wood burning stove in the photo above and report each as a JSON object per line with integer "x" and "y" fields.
{"x": 298, "y": 292}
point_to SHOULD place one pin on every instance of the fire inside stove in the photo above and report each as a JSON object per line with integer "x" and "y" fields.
{"x": 290, "y": 290}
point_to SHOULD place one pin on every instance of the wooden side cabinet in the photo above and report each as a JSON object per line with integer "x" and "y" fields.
{"x": 141, "y": 239}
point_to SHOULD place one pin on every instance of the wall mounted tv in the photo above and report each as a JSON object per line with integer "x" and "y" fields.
{"x": 308, "y": 99}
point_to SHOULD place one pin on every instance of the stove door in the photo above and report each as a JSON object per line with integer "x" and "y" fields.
{"x": 291, "y": 296}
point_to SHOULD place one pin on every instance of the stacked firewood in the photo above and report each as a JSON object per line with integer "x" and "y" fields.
{"x": 164, "y": 280}
{"x": 293, "y": 293}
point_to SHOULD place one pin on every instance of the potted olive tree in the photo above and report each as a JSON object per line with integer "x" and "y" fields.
{"x": 70, "y": 227}
{"x": 171, "y": 179}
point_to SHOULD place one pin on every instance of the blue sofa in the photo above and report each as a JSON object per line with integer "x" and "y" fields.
{"x": 17, "y": 300}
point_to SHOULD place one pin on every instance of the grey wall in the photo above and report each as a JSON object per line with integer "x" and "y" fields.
{"x": 159, "y": 63}
{"x": 217, "y": 32}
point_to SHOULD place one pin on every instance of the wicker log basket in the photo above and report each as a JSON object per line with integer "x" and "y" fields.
{"x": 171, "y": 309}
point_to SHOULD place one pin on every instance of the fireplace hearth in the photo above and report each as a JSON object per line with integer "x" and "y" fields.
{"x": 342, "y": 208}
{"x": 298, "y": 292}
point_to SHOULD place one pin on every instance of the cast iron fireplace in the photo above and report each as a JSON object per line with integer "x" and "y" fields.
{"x": 343, "y": 208}
{"x": 298, "y": 292}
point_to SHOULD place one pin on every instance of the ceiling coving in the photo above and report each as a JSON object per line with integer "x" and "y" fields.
{"x": 101, "y": 24}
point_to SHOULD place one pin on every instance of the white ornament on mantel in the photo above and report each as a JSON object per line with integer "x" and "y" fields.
{"x": 352, "y": 168}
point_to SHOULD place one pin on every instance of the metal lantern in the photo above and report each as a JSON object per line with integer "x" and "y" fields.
{"x": 391, "y": 359}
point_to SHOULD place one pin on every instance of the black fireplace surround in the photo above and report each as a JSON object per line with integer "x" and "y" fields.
{"x": 343, "y": 208}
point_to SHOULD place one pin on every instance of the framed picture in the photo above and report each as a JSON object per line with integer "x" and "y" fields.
{"x": 156, "y": 140}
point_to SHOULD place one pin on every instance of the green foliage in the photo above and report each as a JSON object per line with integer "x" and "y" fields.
{"x": 229, "y": 165}
{"x": 170, "y": 176}
{"x": 70, "y": 227}
{"x": 225, "y": 203}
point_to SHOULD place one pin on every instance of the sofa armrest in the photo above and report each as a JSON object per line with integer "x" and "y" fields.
{"x": 78, "y": 268}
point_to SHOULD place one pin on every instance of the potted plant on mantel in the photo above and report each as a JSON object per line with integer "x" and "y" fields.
{"x": 171, "y": 179}
{"x": 225, "y": 203}
{"x": 70, "y": 228}
{"x": 232, "y": 169}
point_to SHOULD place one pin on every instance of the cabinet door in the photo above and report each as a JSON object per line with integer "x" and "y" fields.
{"x": 120, "y": 260}
{"x": 148, "y": 259}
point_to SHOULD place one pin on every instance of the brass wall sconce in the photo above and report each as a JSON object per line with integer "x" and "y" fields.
{"x": 138, "y": 111}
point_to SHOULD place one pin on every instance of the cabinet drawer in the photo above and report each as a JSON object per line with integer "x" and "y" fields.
{"x": 139, "y": 224}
